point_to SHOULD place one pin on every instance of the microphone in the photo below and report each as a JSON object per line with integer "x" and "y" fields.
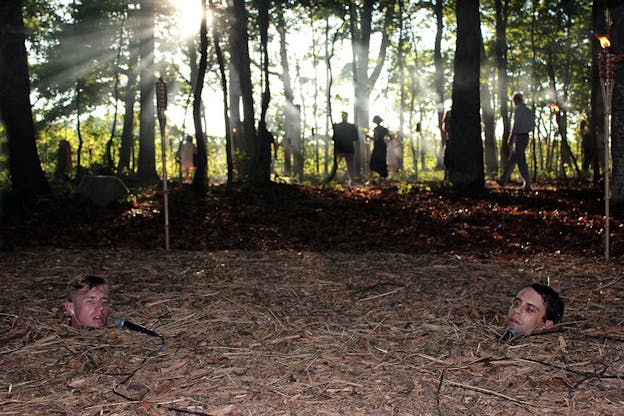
{"x": 508, "y": 334}
{"x": 123, "y": 323}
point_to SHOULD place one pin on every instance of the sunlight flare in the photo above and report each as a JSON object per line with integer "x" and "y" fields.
{"x": 188, "y": 16}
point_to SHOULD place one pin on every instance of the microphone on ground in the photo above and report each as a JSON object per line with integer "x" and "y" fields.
{"x": 509, "y": 334}
{"x": 123, "y": 323}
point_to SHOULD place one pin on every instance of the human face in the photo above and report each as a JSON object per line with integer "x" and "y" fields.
{"x": 90, "y": 308}
{"x": 527, "y": 312}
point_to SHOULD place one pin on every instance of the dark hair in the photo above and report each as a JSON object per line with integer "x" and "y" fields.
{"x": 80, "y": 282}
{"x": 554, "y": 304}
{"x": 517, "y": 97}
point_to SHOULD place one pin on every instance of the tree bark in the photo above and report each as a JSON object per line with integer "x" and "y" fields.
{"x": 15, "y": 109}
{"x": 438, "y": 79}
{"x": 596, "y": 123}
{"x": 465, "y": 149}
{"x": 363, "y": 83}
{"x": 147, "y": 128}
{"x": 224, "y": 88}
{"x": 240, "y": 59}
{"x": 261, "y": 158}
{"x": 501, "y": 67}
{"x": 616, "y": 12}
{"x": 199, "y": 178}
{"x": 489, "y": 121}
{"x": 289, "y": 96}
{"x": 127, "y": 133}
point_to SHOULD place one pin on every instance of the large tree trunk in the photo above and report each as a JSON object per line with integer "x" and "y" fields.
{"x": 596, "y": 124}
{"x": 15, "y": 108}
{"x": 616, "y": 11}
{"x": 240, "y": 58}
{"x": 465, "y": 152}
{"x": 147, "y": 129}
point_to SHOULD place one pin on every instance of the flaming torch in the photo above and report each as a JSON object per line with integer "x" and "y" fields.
{"x": 161, "y": 106}
{"x": 607, "y": 78}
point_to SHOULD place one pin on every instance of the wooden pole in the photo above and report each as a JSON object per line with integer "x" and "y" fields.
{"x": 607, "y": 194}
{"x": 607, "y": 81}
{"x": 161, "y": 105}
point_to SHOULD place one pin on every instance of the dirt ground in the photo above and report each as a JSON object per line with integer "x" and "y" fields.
{"x": 299, "y": 332}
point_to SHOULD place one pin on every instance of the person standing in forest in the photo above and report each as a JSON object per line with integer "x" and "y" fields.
{"x": 187, "y": 159}
{"x": 345, "y": 135}
{"x": 88, "y": 301}
{"x": 378, "y": 162}
{"x": 523, "y": 124}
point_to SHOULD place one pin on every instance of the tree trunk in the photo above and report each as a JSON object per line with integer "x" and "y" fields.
{"x": 15, "y": 109}
{"x": 147, "y": 128}
{"x": 501, "y": 67}
{"x": 289, "y": 97}
{"x": 260, "y": 172}
{"x": 201, "y": 169}
{"x": 224, "y": 88}
{"x": 616, "y": 11}
{"x": 401, "y": 64}
{"x": 363, "y": 83}
{"x": 489, "y": 120}
{"x": 596, "y": 123}
{"x": 78, "y": 129}
{"x": 109, "y": 144}
{"x": 465, "y": 149}
{"x": 438, "y": 79}
{"x": 236, "y": 125}
{"x": 127, "y": 133}
{"x": 240, "y": 58}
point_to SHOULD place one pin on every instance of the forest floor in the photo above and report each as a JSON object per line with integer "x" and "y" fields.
{"x": 309, "y": 301}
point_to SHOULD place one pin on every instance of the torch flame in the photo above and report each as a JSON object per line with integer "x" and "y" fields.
{"x": 554, "y": 107}
{"x": 604, "y": 41}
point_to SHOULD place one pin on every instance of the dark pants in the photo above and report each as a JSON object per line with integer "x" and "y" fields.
{"x": 520, "y": 143}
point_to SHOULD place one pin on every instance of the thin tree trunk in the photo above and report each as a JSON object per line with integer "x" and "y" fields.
{"x": 491, "y": 165}
{"x": 501, "y": 67}
{"x": 438, "y": 78}
{"x": 224, "y": 88}
{"x": 201, "y": 169}
{"x": 289, "y": 96}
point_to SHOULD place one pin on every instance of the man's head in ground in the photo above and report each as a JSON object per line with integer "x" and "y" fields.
{"x": 88, "y": 301}
{"x": 535, "y": 307}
